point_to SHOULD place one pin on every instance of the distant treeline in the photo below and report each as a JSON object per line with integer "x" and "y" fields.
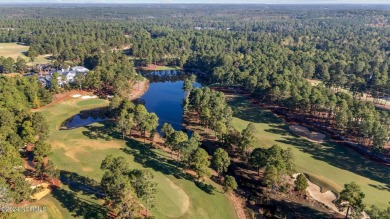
{"x": 270, "y": 51}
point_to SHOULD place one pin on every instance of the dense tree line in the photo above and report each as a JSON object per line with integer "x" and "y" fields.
{"x": 125, "y": 187}
{"x": 212, "y": 110}
{"x": 270, "y": 52}
{"x": 270, "y": 58}
{"x": 21, "y": 129}
{"x": 130, "y": 116}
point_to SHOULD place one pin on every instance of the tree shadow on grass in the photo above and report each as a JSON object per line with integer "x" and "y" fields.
{"x": 209, "y": 189}
{"x": 79, "y": 207}
{"x": 343, "y": 158}
{"x": 148, "y": 158}
{"x": 143, "y": 154}
{"x": 285, "y": 209}
{"x": 247, "y": 111}
{"x": 381, "y": 187}
{"x": 107, "y": 132}
{"x": 78, "y": 183}
{"x": 280, "y": 129}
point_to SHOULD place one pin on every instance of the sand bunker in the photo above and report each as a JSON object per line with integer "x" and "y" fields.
{"x": 88, "y": 97}
{"x": 303, "y": 131}
{"x": 326, "y": 198}
{"x": 38, "y": 196}
{"x": 76, "y": 96}
{"x": 45, "y": 189}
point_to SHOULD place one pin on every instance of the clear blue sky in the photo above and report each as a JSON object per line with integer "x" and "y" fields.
{"x": 209, "y": 1}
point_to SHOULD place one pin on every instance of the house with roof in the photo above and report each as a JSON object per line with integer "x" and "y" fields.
{"x": 64, "y": 75}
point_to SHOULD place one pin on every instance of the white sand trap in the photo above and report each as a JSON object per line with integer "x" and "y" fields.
{"x": 326, "y": 198}
{"x": 303, "y": 131}
{"x": 88, "y": 97}
{"x": 76, "y": 96}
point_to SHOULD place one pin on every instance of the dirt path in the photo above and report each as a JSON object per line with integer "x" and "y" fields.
{"x": 63, "y": 96}
{"x": 238, "y": 205}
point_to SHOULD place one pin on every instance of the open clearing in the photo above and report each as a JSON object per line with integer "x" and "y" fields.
{"x": 81, "y": 150}
{"x": 14, "y": 50}
{"x": 328, "y": 165}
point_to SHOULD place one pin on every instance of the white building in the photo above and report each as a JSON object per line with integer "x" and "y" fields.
{"x": 64, "y": 75}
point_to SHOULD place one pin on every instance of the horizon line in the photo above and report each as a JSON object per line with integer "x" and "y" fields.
{"x": 170, "y": 3}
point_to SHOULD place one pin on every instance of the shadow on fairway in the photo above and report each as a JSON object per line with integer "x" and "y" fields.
{"x": 107, "y": 132}
{"x": 78, "y": 183}
{"x": 247, "y": 111}
{"x": 144, "y": 154}
{"x": 280, "y": 129}
{"x": 148, "y": 158}
{"x": 381, "y": 187}
{"x": 329, "y": 152}
{"x": 79, "y": 207}
{"x": 343, "y": 158}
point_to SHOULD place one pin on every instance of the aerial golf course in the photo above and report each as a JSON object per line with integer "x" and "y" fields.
{"x": 79, "y": 152}
{"x": 327, "y": 164}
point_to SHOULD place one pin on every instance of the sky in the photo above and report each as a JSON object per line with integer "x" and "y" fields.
{"x": 207, "y": 1}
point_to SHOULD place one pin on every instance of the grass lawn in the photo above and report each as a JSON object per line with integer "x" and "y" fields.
{"x": 81, "y": 150}
{"x": 14, "y": 50}
{"x": 328, "y": 165}
{"x": 153, "y": 67}
{"x": 165, "y": 68}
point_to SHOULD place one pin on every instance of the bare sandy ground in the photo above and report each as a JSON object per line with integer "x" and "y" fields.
{"x": 76, "y": 95}
{"x": 238, "y": 205}
{"x": 139, "y": 89}
{"x": 39, "y": 195}
{"x": 326, "y": 198}
{"x": 304, "y": 132}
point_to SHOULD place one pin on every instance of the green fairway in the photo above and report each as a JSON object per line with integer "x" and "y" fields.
{"x": 81, "y": 150}
{"x": 329, "y": 165}
{"x": 15, "y": 50}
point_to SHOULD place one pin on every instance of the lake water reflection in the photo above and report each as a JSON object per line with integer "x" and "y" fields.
{"x": 165, "y": 96}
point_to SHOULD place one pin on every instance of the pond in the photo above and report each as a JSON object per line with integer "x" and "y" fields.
{"x": 85, "y": 118}
{"x": 165, "y": 96}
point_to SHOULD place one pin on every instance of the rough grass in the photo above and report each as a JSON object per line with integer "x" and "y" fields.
{"x": 80, "y": 151}
{"x": 329, "y": 165}
{"x": 14, "y": 50}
